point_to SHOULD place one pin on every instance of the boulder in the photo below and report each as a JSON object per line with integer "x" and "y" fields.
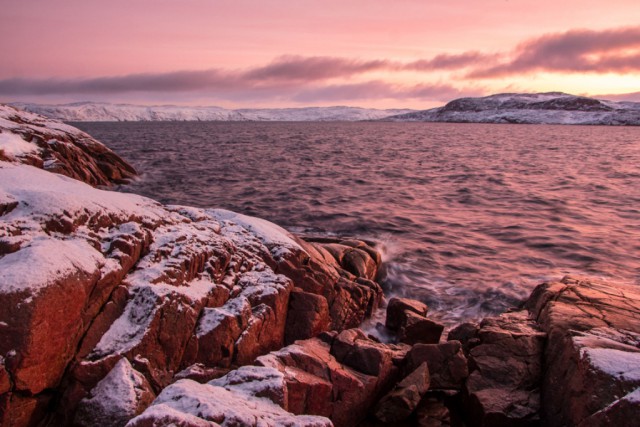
{"x": 418, "y": 329}
{"x": 467, "y": 334}
{"x": 398, "y": 404}
{"x": 118, "y": 397}
{"x": 446, "y": 361}
{"x": 397, "y": 309}
{"x": 308, "y": 315}
{"x": 432, "y": 412}
{"x": 592, "y": 354}
{"x": 505, "y": 371}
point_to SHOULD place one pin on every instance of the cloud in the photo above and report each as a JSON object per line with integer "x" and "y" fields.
{"x": 632, "y": 96}
{"x": 300, "y": 68}
{"x": 377, "y": 89}
{"x": 585, "y": 51}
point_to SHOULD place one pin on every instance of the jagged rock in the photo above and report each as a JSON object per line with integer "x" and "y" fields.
{"x": 432, "y": 412}
{"x": 60, "y": 148}
{"x": 353, "y": 348}
{"x": 397, "y": 309}
{"x": 339, "y": 391}
{"x": 592, "y": 354}
{"x": 242, "y": 398}
{"x": 446, "y": 361}
{"x": 200, "y": 373}
{"x": 118, "y": 397}
{"x": 418, "y": 329}
{"x": 467, "y": 334}
{"x": 308, "y": 315}
{"x": 398, "y": 404}
{"x": 506, "y": 367}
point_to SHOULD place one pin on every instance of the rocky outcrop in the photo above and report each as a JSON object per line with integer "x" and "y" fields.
{"x": 592, "y": 354}
{"x": 56, "y": 147}
{"x": 156, "y": 289}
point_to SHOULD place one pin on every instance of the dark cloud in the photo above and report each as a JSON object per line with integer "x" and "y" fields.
{"x": 377, "y": 89}
{"x": 299, "y": 68}
{"x": 451, "y": 62}
{"x": 606, "y": 51}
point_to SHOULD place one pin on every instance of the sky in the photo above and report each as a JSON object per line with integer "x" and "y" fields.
{"x": 275, "y": 53}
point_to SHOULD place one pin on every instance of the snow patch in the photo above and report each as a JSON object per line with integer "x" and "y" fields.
{"x": 13, "y": 145}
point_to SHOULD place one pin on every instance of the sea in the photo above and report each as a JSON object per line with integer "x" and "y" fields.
{"x": 469, "y": 217}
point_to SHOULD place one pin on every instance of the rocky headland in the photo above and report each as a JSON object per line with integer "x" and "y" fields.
{"x": 116, "y": 310}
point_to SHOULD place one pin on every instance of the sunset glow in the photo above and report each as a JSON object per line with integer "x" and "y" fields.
{"x": 409, "y": 53}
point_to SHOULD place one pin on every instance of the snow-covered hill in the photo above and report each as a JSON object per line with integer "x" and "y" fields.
{"x": 537, "y": 108}
{"x": 101, "y": 112}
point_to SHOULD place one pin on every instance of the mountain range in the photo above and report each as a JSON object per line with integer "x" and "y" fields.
{"x": 536, "y": 108}
{"x": 525, "y": 108}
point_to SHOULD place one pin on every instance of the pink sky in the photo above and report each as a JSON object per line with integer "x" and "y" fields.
{"x": 377, "y": 53}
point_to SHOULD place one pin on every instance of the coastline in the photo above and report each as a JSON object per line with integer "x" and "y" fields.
{"x": 167, "y": 299}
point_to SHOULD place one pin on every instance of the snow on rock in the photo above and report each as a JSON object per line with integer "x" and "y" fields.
{"x": 592, "y": 353}
{"x": 54, "y": 146}
{"x": 100, "y": 112}
{"x": 530, "y": 108}
{"x": 279, "y": 241}
{"x": 186, "y": 399}
{"x": 118, "y": 397}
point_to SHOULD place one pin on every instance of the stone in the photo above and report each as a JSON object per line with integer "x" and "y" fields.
{"x": 432, "y": 412}
{"x": 397, "y": 307}
{"x": 592, "y": 349}
{"x": 200, "y": 373}
{"x": 308, "y": 315}
{"x": 446, "y": 361}
{"x": 353, "y": 348}
{"x": 419, "y": 329}
{"x": 503, "y": 387}
{"x": 467, "y": 334}
{"x": 118, "y": 397}
{"x": 400, "y": 403}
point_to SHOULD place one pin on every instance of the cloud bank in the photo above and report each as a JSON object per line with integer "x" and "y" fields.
{"x": 309, "y": 79}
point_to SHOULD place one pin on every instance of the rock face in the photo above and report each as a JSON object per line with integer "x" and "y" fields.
{"x": 56, "y": 147}
{"x": 592, "y": 354}
{"x": 156, "y": 289}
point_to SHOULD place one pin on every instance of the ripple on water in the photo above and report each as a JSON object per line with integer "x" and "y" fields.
{"x": 469, "y": 216}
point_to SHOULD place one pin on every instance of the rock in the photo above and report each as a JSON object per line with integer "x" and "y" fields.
{"x": 506, "y": 367}
{"x": 446, "y": 361}
{"x": 339, "y": 391}
{"x": 397, "y": 308}
{"x": 432, "y": 412}
{"x": 405, "y": 397}
{"x": 308, "y": 315}
{"x": 59, "y": 148}
{"x": 467, "y": 334}
{"x": 118, "y": 397}
{"x": 353, "y": 348}
{"x": 359, "y": 263}
{"x": 200, "y": 373}
{"x": 592, "y": 354}
{"x": 188, "y": 403}
{"x": 419, "y": 329}
{"x": 352, "y": 303}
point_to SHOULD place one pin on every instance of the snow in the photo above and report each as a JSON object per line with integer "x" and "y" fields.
{"x": 117, "y": 391}
{"x": 211, "y": 318}
{"x": 13, "y": 145}
{"x": 44, "y": 261}
{"x": 617, "y": 363}
{"x": 46, "y": 195}
{"x": 276, "y": 238}
{"x": 222, "y": 406}
{"x": 94, "y": 112}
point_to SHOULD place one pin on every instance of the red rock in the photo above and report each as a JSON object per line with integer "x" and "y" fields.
{"x": 308, "y": 315}
{"x": 353, "y": 348}
{"x": 446, "y": 361}
{"x": 466, "y": 334}
{"x": 432, "y": 412}
{"x": 419, "y": 329}
{"x": 398, "y": 404}
{"x": 359, "y": 263}
{"x": 594, "y": 334}
{"x": 503, "y": 386}
{"x": 118, "y": 397}
{"x": 397, "y": 308}
{"x": 200, "y": 373}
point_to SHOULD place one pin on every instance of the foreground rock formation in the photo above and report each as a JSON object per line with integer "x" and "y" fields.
{"x": 116, "y": 310}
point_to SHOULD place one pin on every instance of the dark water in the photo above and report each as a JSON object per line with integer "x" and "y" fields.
{"x": 471, "y": 216}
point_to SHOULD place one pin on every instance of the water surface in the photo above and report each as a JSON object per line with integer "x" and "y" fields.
{"x": 471, "y": 216}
